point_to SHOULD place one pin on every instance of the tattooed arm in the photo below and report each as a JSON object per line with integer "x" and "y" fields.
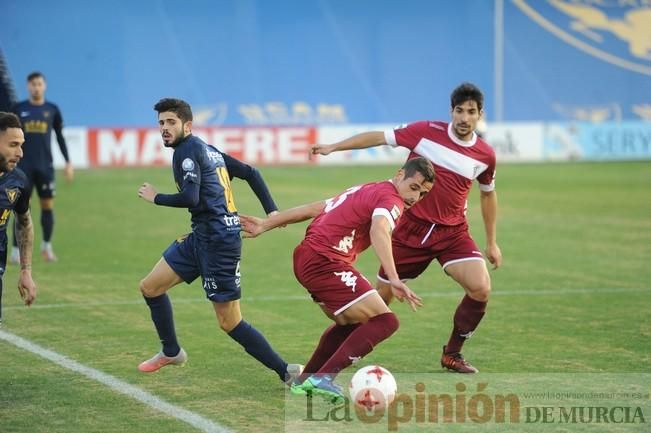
{"x": 25, "y": 239}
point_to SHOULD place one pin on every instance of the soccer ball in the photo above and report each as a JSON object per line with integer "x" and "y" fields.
{"x": 372, "y": 388}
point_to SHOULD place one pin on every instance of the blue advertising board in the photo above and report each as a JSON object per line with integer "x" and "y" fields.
{"x": 330, "y": 62}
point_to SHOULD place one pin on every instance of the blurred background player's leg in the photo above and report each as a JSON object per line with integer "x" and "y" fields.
{"x": 47, "y": 225}
{"x": 45, "y": 187}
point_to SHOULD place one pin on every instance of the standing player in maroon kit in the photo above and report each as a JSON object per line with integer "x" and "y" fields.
{"x": 323, "y": 263}
{"x": 436, "y": 228}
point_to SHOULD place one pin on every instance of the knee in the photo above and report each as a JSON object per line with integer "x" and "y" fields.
{"x": 146, "y": 289}
{"x": 228, "y": 318}
{"x": 227, "y": 324}
{"x": 480, "y": 289}
{"x": 391, "y": 322}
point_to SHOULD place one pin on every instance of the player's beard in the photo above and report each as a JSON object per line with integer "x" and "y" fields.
{"x": 461, "y": 135}
{"x": 174, "y": 143}
{"x": 4, "y": 165}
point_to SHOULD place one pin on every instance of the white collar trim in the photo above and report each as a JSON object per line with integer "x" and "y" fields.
{"x": 460, "y": 142}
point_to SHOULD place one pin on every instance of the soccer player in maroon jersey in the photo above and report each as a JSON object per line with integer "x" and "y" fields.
{"x": 343, "y": 227}
{"x": 436, "y": 228}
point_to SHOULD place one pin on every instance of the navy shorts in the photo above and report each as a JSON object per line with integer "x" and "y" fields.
{"x": 219, "y": 267}
{"x": 41, "y": 178}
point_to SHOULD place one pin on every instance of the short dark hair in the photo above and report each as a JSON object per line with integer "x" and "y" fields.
{"x": 8, "y": 120}
{"x": 419, "y": 165}
{"x": 176, "y": 106}
{"x": 35, "y": 74}
{"x": 467, "y": 92}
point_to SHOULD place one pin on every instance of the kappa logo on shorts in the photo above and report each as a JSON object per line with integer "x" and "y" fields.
{"x": 12, "y": 194}
{"x": 348, "y": 278}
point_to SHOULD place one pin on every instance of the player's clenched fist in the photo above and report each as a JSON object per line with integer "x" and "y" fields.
{"x": 147, "y": 192}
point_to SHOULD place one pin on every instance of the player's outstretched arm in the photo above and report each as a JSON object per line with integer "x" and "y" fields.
{"x": 359, "y": 141}
{"x": 25, "y": 239}
{"x": 381, "y": 240}
{"x": 253, "y": 226}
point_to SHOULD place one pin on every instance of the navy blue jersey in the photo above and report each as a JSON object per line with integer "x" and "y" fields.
{"x": 215, "y": 217}
{"x": 13, "y": 196}
{"x": 38, "y": 123}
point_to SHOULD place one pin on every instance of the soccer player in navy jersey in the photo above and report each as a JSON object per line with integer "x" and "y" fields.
{"x": 39, "y": 118}
{"x": 342, "y": 228}
{"x": 436, "y": 228}
{"x": 14, "y": 196}
{"x": 212, "y": 250}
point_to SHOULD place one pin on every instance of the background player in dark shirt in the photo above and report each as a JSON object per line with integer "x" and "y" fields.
{"x": 39, "y": 118}
{"x": 212, "y": 250}
{"x": 13, "y": 196}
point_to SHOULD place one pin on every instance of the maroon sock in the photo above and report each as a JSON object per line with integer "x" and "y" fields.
{"x": 466, "y": 318}
{"x": 330, "y": 341}
{"x": 360, "y": 342}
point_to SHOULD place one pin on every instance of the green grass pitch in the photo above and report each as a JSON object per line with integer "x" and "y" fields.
{"x": 573, "y": 295}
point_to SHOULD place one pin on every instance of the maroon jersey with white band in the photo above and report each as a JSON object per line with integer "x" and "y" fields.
{"x": 456, "y": 162}
{"x": 341, "y": 231}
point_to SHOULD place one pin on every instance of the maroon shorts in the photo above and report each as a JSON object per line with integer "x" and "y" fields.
{"x": 335, "y": 285}
{"x": 416, "y": 244}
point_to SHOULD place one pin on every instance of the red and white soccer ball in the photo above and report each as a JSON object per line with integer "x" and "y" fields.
{"x": 372, "y": 388}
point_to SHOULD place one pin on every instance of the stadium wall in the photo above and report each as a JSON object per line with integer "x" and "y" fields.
{"x": 513, "y": 142}
{"x": 292, "y": 62}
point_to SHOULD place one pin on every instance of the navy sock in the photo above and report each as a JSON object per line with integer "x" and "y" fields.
{"x": 163, "y": 318}
{"x": 47, "y": 223}
{"x": 258, "y": 347}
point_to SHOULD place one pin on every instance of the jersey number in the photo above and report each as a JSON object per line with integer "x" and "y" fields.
{"x": 222, "y": 173}
{"x": 332, "y": 203}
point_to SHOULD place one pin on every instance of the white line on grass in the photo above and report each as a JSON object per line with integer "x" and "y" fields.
{"x": 454, "y": 294}
{"x": 195, "y": 420}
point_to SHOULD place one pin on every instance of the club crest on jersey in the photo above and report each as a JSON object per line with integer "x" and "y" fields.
{"x": 395, "y": 212}
{"x": 12, "y": 194}
{"x": 187, "y": 164}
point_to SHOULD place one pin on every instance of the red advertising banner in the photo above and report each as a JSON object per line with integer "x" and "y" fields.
{"x": 133, "y": 147}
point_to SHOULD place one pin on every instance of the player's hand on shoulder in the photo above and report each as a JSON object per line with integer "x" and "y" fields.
{"x": 251, "y": 226}
{"x": 147, "y": 192}
{"x": 401, "y": 292}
